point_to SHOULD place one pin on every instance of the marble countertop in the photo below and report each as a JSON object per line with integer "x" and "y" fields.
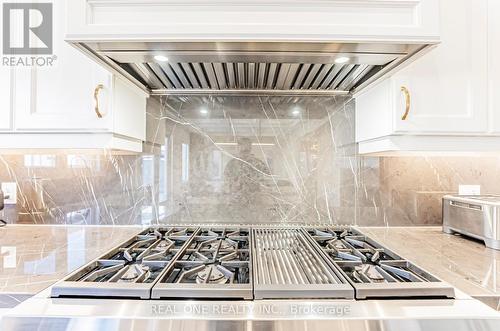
{"x": 464, "y": 263}
{"x": 33, "y": 257}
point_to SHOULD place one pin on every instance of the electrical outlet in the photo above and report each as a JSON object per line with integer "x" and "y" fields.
{"x": 10, "y": 189}
{"x": 469, "y": 189}
{"x": 8, "y": 253}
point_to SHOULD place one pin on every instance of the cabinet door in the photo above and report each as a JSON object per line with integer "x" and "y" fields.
{"x": 62, "y": 97}
{"x": 494, "y": 64}
{"x": 448, "y": 86}
{"x": 374, "y": 112}
{"x": 5, "y": 98}
{"x": 129, "y": 108}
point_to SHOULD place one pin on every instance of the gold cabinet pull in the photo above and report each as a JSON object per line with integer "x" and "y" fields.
{"x": 96, "y": 98}
{"x": 408, "y": 102}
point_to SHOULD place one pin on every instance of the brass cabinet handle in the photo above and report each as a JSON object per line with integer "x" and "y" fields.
{"x": 408, "y": 102}
{"x": 96, "y": 98}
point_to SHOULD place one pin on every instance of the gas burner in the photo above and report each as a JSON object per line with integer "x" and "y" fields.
{"x": 211, "y": 274}
{"x": 336, "y": 244}
{"x": 134, "y": 273}
{"x": 368, "y": 272}
{"x": 221, "y": 244}
{"x": 164, "y": 243}
{"x": 227, "y": 244}
{"x": 220, "y": 239}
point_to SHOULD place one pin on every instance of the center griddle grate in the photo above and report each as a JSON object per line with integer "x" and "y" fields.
{"x": 287, "y": 266}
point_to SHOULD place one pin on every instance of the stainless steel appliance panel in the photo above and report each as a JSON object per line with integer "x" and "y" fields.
{"x": 69, "y": 324}
{"x": 474, "y": 216}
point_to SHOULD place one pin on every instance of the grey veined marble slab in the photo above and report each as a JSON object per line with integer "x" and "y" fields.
{"x": 465, "y": 263}
{"x": 252, "y": 160}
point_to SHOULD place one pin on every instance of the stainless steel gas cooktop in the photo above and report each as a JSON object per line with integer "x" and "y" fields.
{"x": 230, "y": 262}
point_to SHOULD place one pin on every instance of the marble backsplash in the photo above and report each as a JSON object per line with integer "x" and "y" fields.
{"x": 403, "y": 190}
{"x": 251, "y": 160}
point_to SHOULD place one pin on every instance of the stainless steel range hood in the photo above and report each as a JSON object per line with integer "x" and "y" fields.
{"x": 251, "y": 67}
{"x": 253, "y": 46}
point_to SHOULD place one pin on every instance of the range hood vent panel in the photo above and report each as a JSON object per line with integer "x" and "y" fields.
{"x": 241, "y": 76}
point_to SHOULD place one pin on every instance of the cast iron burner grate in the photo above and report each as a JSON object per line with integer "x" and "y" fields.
{"x": 216, "y": 262}
{"x": 365, "y": 262}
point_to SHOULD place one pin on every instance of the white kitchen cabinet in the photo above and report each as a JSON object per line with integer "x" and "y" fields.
{"x": 123, "y": 118}
{"x": 448, "y": 86}
{"x": 129, "y": 110}
{"x": 374, "y": 112}
{"x": 5, "y": 98}
{"x": 447, "y": 90}
{"x": 75, "y": 104}
{"x": 494, "y": 65}
{"x": 62, "y": 97}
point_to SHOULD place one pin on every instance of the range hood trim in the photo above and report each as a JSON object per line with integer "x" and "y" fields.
{"x": 250, "y": 57}
{"x": 247, "y": 92}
